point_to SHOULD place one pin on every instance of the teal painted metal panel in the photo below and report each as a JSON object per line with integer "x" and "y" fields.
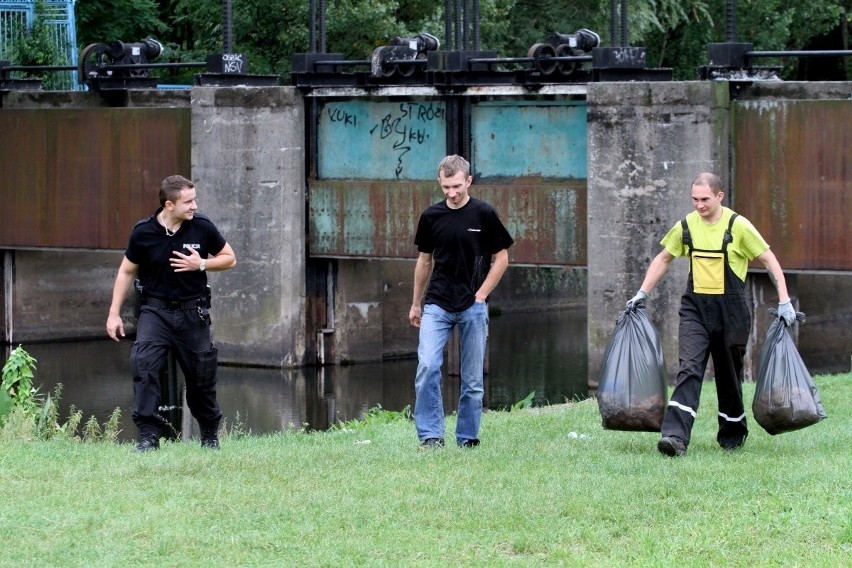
{"x": 381, "y": 140}
{"x": 527, "y": 138}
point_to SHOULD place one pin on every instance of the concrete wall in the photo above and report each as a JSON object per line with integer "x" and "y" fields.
{"x": 825, "y": 338}
{"x": 248, "y": 158}
{"x": 50, "y": 292}
{"x": 647, "y": 141}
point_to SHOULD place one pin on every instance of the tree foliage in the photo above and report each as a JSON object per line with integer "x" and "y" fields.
{"x": 674, "y": 32}
{"x": 105, "y": 21}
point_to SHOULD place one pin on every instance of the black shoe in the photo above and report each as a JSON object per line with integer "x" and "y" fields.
{"x": 671, "y": 446}
{"x": 731, "y": 445}
{"x": 469, "y": 443}
{"x": 147, "y": 444}
{"x": 210, "y": 439}
{"x": 430, "y": 443}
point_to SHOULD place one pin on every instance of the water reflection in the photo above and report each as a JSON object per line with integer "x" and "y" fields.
{"x": 541, "y": 352}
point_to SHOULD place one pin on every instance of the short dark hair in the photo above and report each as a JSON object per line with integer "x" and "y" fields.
{"x": 171, "y": 187}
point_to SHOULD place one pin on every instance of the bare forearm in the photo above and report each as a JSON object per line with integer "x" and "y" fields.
{"x": 226, "y": 259}
{"x": 119, "y": 292}
{"x": 422, "y": 271}
{"x": 773, "y": 267}
{"x": 123, "y": 280}
{"x": 656, "y": 270}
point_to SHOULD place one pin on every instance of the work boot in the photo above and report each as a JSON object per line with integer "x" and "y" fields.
{"x": 148, "y": 443}
{"x": 210, "y": 439}
{"x": 671, "y": 446}
{"x": 731, "y": 443}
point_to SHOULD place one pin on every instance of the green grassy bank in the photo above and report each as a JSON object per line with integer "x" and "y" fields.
{"x": 547, "y": 487}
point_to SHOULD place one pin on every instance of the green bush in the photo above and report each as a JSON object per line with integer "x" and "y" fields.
{"x": 27, "y": 415}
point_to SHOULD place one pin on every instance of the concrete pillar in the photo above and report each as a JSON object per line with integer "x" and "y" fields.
{"x": 647, "y": 142}
{"x": 248, "y": 159}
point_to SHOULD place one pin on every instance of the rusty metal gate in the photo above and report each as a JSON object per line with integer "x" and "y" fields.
{"x": 79, "y": 178}
{"x": 792, "y": 177}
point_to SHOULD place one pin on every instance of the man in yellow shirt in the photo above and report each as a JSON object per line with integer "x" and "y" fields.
{"x": 714, "y": 315}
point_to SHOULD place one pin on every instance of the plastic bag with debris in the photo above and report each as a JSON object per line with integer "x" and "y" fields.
{"x": 632, "y": 392}
{"x": 785, "y": 397}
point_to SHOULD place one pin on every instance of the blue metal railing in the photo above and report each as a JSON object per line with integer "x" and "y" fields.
{"x": 58, "y": 15}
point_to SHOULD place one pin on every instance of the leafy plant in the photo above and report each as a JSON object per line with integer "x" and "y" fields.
{"x": 35, "y": 45}
{"x": 525, "y": 402}
{"x": 26, "y": 415}
{"x": 236, "y": 430}
{"x": 17, "y": 386}
{"x": 373, "y": 416}
{"x": 111, "y": 428}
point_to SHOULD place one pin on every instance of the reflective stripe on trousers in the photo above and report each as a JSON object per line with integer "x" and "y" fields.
{"x": 714, "y": 325}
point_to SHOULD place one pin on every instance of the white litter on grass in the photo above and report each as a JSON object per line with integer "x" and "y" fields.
{"x": 576, "y": 436}
{"x": 362, "y": 442}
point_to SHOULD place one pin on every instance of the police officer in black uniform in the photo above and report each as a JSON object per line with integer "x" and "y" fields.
{"x": 167, "y": 257}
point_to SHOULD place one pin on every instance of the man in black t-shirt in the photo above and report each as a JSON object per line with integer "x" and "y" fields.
{"x": 169, "y": 254}
{"x": 456, "y": 239}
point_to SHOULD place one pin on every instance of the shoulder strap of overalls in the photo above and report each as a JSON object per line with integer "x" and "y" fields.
{"x": 728, "y": 236}
{"x": 687, "y": 238}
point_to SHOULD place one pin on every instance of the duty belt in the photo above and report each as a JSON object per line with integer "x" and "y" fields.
{"x": 173, "y": 305}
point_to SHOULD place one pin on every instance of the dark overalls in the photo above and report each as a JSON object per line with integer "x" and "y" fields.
{"x": 183, "y": 327}
{"x": 714, "y": 320}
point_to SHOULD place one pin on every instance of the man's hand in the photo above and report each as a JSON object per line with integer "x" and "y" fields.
{"x": 414, "y": 315}
{"x": 185, "y": 262}
{"x": 636, "y": 300}
{"x": 115, "y": 327}
{"x": 787, "y": 313}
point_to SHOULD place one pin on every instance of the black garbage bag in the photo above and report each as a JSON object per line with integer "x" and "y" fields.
{"x": 785, "y": 397}
{"x": 632, "y": 392}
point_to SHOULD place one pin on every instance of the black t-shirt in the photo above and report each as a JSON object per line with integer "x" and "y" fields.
{"x": 151, "y": 248}
{"x": 461, "y": 242}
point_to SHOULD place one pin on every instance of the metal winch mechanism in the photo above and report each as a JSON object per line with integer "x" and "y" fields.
{"x": 119, "y": 65}
{"x": 418, "y": 61}
{"x": 404, "y": 57}
{"x": 562, "y": 54}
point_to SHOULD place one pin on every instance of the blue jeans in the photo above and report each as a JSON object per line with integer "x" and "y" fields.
{"x": 435, "y": 328}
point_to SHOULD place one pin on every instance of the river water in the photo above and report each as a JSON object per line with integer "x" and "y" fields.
{"x": 541, "y": 352}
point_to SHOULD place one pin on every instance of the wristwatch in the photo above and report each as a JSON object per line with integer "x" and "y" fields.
{"x": 203, "y": 266}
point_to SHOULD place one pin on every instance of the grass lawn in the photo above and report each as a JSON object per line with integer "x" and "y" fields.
{"x": 547, "y": 487}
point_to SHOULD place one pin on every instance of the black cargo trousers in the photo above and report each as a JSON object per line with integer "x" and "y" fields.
{"x": 187, "y": 334}
{"x": 714, "y": 325}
